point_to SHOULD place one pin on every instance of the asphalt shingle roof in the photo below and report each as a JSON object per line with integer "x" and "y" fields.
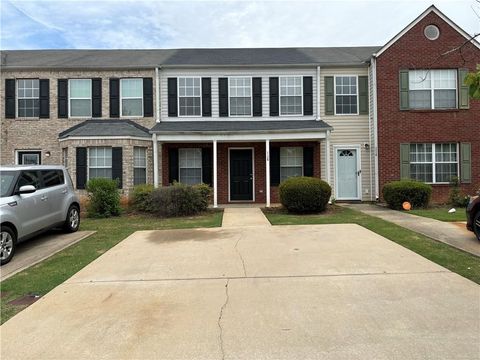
{"x": 185, "y": 57}
{"x": 238, "y": 126}
{"x": 109, "y": 127}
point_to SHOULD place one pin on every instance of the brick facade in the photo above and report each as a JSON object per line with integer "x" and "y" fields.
{"x": 414, "y": 51}
{"x": 258, "y": 165}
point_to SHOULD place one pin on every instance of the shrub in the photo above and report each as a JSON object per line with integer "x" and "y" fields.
{"x": 179, "y": 200}
{"x": 140, "y": 197}
{"x": 456, "y": 197}
{"x": 304, "y": 194}
{"x": 104, "y": 198}
{"x": 416, "y": 193}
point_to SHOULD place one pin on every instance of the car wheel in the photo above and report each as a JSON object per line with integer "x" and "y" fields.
{"x": 476, "y": 224}
{"x": 8, "y": 243}
{"x": 72, "y": 222}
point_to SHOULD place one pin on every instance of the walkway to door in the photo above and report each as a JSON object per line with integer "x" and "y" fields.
{"x": 244, "y": 216}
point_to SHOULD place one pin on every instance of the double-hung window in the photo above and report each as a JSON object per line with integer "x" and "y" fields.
{"x": 28, "y": 98}
{"x": 139, "y": 165}
{"x": 131, "y": 97}
{"x": 291, "y": 95}
{"x": 189, "y": 96}
{"x": 291, "y": 162}
{"x": 80, "y": 97}
{"x": 240, "y": 94}
{"x": 432, "y": 89}
{"x": 100, "y": 162}
{"x": 190, "y": 166}
{"x": 433, "y": 163}
{"x": 346, "y": 95}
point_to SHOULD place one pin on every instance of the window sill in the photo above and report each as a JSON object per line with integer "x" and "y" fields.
{"x": 28, "y": 119}
{"x": 434, "y": 110}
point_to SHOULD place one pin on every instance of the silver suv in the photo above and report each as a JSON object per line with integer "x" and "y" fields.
{"x": 34, "y": 199}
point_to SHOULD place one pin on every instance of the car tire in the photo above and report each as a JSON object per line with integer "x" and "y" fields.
{"x": 72, "y": 222}
{"x": 476, "y": 224}
{"x": 8, "y": 244}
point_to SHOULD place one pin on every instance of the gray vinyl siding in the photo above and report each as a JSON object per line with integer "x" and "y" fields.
{"x": 347, "y": 130}
{"x": 214, "y": 74}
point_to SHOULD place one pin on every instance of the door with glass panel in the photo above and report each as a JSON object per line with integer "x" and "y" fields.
{"x": 348, "y": 174}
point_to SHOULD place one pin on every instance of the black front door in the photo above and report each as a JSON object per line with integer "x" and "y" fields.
{"x": 241, "y": 174}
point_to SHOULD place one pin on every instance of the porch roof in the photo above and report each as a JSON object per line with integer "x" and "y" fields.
{"x": 243, "y": 127}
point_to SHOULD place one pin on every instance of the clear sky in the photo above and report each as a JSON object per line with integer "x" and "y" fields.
{"x": 73, "y": 24}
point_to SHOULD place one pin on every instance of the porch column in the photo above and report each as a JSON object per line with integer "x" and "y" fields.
{"x": 215, "y": 191}
{"x": 155, "y": 160}
{"x": 327, "y": 157}
{"x": 267, "y": 171}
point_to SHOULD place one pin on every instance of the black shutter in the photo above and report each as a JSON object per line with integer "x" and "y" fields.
{"x": 257, "y": 96}
{"x": 172, "y": 97}
{"x": 117, "y": 166}
{"x": 147, "y": 97}
{"x": 207, "y": 166}
{"x": 10, "y": 98}
{"x": 307, "y": 95}
{"x": 114, "y": 98}
{"x": 308, "y": 161}
{"x": 274, "y": 166}
{"x": 81, "y": 175}
{"x": 97, "y": 97}
{"x": 44, "y": 97}
{"x": 172, "y": 165}
{"x": 206, "y": 97}
{"x": 274, "y": 96}
{"x": 62, "y": 98}
{"x": 223, "y": 96}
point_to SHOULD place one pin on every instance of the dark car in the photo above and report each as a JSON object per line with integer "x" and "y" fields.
{"x": 473, "y": 215}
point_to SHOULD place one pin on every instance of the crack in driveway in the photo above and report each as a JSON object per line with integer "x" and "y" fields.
{"x": 219, "y": 322}
{"x": 240, "y": 255}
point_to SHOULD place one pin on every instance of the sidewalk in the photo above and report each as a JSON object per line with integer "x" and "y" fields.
{"x": 449, "y": 233}
{"x": 244, "y": 216}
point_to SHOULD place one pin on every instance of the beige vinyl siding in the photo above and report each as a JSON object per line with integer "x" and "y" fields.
{"x": 214, "y": 74}
{"x": 347, "y": 130}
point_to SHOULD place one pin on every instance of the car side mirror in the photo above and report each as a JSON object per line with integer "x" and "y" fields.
{"x": 26, "y": 189}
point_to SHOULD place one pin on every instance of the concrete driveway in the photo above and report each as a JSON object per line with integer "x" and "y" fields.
{"x": 259, "y": 292}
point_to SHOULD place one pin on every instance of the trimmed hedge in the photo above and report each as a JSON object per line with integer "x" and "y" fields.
{"x": 179, "y": 200}
{"x": 140, "y": 197}
{"x": 304, "y": 194}
{"x": 417, "y": 193}
{"x": 104, "y": 198}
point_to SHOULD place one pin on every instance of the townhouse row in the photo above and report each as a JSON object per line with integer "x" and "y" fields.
{"x": 243, "y": 120}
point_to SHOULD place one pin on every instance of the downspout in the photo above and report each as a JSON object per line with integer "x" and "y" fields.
{"x": 318, "y": 94}
{"x": 157, "y": 120}
{"x": 375, "y": 124}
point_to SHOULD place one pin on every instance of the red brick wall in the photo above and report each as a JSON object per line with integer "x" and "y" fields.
{"x": 412, "y": 51}
{"x": 259, "y": 166}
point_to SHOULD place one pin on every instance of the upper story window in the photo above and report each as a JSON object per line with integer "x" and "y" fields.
{"x": 346, "y": 95}
{"x": 291, "y": 162}
{"x": 240, "y": 94}
{"x": 80, "y": 97}
{"x": 28, "y": 98}
{"x": 189, "y": 96}
{"x": 432, "y": 89}
{"x": 131, "y": 97}
{"x": 291, "y": 95}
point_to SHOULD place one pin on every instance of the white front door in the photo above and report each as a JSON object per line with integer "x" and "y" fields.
{"x": 348, "y": 174}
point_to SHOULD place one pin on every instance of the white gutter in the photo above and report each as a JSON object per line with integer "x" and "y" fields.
{"x": 157, "y": 119}
{"x": 318, "y": 94}
{"x": 155, "y": 160}
{"x": 375, "y": 125}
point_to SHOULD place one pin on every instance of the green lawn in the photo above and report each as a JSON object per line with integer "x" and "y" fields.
{"x": 441, "y": 213}
{"x": 451, "y": 258}
{"x": 43, "y": 277}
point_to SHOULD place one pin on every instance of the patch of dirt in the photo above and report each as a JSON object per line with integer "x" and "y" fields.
{"x": 25, "y": 300}
{"x": 330, "y": 210}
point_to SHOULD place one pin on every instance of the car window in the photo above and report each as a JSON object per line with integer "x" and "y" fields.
{"x": 6, "y": 182}
{"x": 29, "y": 177}
{"x": 52, "y": 177}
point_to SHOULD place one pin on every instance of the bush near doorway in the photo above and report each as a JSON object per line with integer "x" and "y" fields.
{"x": 304, "y": 194}
{"x": 418, "y": 194}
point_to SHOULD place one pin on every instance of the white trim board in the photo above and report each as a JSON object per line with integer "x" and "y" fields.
{"x": 430, "y": 9}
